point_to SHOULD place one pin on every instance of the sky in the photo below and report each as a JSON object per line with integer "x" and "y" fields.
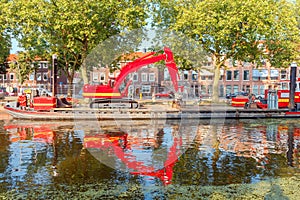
{"x": 15, "y": 47}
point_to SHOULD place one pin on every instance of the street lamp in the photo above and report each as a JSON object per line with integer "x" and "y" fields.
{"x": 293, "y": 72}
{"x": 54, "y": 75}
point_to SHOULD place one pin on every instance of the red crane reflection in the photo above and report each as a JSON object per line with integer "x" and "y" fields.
{"x": 121, "y": 146}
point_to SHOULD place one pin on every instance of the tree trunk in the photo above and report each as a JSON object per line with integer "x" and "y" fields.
{"x": 215, "y": 96}
{"x": 70, "y": 88}
{"x": 84, "y": 73}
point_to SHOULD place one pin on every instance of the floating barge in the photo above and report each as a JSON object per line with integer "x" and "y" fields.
{"x": 151, "y": 112}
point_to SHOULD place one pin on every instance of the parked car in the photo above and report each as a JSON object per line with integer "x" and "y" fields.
{"x": 232, "y": 95}
{"x": 259, "y": 96}
{"x": 44, "y": 92}
{"x": 165, "y": 95}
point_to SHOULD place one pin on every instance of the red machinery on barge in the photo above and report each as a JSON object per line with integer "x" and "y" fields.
{"x": 101, "y": 96}
{"x": 110, "y": 94}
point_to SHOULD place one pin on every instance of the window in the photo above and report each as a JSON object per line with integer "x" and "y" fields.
{"x": 135, "y": 77}
{"x": 246, "y": 76}
{"x": 228, "y": 75}
{"x": 207, "y": 63}
{"x": 11, "y": 76}
{"x": 262, "y": 89}
{"x": 194, "y": 76}
{"x": 235, "y": 88}
{"x": 185, "y": 75}
{"x": 31, "y": 77}
{"x": 166, "y": 75}
{"x": 209, "y": 77}
{"x": 38, "y": 77}
{"x": 152, "y": 77}
{"x": 284, "y": 86}
{"x": 144, "y": 77}
{"x": 255, "y": 89}
{"x": 43, "y": 65}
{"x": 45, "y": 76}
{"x": 255, "y": 78}
{"x": 102, "y": 77}
{"x": 274, "y": 74}
{"x": 283, "y": 75}
{"x": 203, "y": 78}
{"x": 146, "y": 88}
{"x": 236, "y": 75}
{"x": 228, "y": 89}
{"x": 209, "y": 89}
{"x": 203, "y": 89}
{"x": 95, "y": 76}
{"x": 260, "y": 74}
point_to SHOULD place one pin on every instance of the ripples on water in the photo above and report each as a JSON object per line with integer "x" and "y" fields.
{"x": 38, "y": 154}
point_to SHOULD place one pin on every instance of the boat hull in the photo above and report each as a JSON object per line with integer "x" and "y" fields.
{"x": 149, "y": 113}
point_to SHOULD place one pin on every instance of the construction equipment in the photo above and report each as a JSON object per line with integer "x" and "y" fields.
{"x": 110, "y": 95}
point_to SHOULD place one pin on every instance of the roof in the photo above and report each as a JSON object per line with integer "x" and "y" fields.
{"x": 12, "y": 57}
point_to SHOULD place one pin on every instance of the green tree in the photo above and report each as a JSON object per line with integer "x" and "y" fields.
{"x": 5, "y": 40}
{"x": 187, "y": 53}
{"x": 230, "y": 29}
{"x": 71, "y": 29}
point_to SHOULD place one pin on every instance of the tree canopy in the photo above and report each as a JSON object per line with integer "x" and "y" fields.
{"x": 71, "y": 29}
{"x": 5, "y": 39}
{"x": 255, "y": 31}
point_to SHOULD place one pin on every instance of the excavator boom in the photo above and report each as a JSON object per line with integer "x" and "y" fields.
{"x": 112, "y": 90}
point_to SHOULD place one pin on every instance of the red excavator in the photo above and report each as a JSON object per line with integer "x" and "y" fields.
{"x": 110, "y": 95}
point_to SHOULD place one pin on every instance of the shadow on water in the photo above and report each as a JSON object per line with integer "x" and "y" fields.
{"x": 146, "y": 158}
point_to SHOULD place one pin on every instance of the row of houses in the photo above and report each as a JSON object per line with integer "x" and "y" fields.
{"x": 152, "y": 79}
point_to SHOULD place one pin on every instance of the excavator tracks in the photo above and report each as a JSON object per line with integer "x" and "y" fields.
{"x": 114, "y": 103}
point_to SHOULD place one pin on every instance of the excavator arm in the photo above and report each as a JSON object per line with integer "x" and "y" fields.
{"x": 167, "y": 56}
{"x": 110, "y": 93}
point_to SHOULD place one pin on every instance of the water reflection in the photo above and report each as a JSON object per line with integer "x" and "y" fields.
{"x": 36, "y": 154}
{"x": 147, "y": 148}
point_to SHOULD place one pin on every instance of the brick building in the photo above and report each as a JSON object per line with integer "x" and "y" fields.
{"x": 151, "y": 79}
{"x": 241, "y": 76}
{"x": 41, "y": 78}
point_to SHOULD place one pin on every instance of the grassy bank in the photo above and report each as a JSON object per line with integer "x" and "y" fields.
{"x": 287, "y": 188}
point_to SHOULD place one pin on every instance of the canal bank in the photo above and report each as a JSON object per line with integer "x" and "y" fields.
{"x": 150, "y": 109}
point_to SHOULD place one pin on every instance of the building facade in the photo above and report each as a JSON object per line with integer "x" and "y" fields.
{"x": 152, "y": 78}
{"x": 40, "y": 78}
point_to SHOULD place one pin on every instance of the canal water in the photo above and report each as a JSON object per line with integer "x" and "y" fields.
{"x": 168, "y": 159}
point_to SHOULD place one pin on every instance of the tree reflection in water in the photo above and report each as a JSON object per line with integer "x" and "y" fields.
{"x": 56, "y": 154}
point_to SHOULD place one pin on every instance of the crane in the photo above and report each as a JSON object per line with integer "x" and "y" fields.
{"x": 109, "y": 95}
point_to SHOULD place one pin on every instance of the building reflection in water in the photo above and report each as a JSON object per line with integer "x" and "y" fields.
{"x": 191, "y": 152}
